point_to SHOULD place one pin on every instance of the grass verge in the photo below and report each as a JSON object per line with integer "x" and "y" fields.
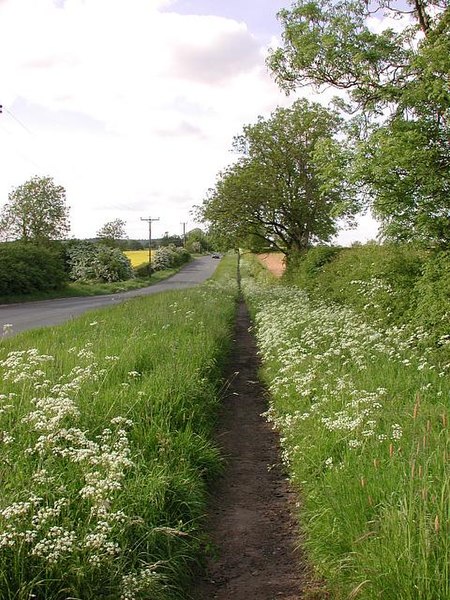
{"x": 77, "y": 289}
{"x": 363, "y": 417}
{"x": 105, "y": 428}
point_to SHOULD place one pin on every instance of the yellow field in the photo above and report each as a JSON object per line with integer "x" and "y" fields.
{"x": 137, "y": 257}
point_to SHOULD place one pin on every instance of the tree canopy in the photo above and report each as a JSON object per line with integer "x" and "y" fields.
{"x": 36, "y": 211}
{"x": 329, "y": 42}
{"x": 400, "y": 81}
{"x": 288, "y": 189}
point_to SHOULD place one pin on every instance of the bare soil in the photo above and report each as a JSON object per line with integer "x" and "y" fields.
{"x": 274, "y": 261}
{"x": 251, "y": 524}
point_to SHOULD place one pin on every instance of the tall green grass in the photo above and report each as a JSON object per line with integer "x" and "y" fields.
{"x": 363, "y": 417}
{"x": 105, "y": 430}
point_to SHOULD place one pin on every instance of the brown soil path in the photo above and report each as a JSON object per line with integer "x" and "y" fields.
{"x": 251, "y": 521}
{"x": 274, "y": 261}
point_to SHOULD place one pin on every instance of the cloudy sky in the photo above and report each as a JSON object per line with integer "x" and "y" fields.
{"x": 132, "y": 105}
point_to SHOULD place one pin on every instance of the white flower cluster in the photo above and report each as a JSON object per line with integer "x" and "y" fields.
{"x": 23, "y": 365}
{"x": 375, "y": 290}
{"x": 301, "y": 341}
{"x": 144, "y": 581}
{"x": 56, "y": 446}
{"x": 57, "y": 542}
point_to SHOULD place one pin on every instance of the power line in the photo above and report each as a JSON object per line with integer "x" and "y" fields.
{"x": 21, "y": 154}
{"x": 4, "y": 110}
{"x": 19, "y": 122}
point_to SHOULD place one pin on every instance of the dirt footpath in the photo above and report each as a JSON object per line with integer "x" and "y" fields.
{"x": 251, "y": 523}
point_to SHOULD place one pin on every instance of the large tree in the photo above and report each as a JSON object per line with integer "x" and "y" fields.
{"x": 399, "y": 81}
{"x": 288, "y": 188}
{"x": 36, "y": 211}
{"x": 329, "y": 42}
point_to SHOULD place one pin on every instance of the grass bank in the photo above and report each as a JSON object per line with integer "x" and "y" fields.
{"x": 77, "y": 289}
{"x": 105, "y": 428}
{"x": 363, "y": 416}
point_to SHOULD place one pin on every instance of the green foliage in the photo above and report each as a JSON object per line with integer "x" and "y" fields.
{"x": 290, "y": 186}
{"x": 432, "y": 311}
{"x": 134, "y": 245}
{"x": 390, "y": 284}
{"x": 330, "y": 43}
{"x": 112, "y": 233}
{"x": 304, "y": 267}
{"x": 97, "y": 262}
{"x": 26, "y": 268}
{"x": 197, "y": 241}
{"x": 171, "y": 240}
{"x": 405, "y": 158}
{"x": 363, "y": 420}
{"x": 36, "y": 211}
{"x": 167, "y": 257}
{"x": 144, "y": 270}
{"x": 406, "y": 169}
{"x": 377, "y": 281}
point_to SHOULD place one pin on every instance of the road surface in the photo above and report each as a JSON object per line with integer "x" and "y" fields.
{"x": 31, "y": 315}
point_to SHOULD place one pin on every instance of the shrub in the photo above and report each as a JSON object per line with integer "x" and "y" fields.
{"x": 169, "y": 257}
{"x": 432, "y": 310}
{"x": 26, "y": 268}
{"x": 304, "y": 267}
{"x": 143, "y": 270}
{"x": 97, "y": 262}
{"x": 378, "y": 281}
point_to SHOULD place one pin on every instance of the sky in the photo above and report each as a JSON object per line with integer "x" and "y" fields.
{"x": 132, "y": 105}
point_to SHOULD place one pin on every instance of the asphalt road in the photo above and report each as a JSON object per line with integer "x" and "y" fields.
{"x": 31, "y": 315}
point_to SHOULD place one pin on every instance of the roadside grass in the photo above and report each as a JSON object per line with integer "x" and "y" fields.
{"x": 106, "y": 432}
{"x": 363, "y": 418}
{"x": 76, "y": 289}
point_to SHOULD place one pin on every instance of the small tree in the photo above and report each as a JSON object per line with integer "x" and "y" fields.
{"x": 112, "y": 233}
{"x": 36, "y": 211}
{"x": 197, "y": 241}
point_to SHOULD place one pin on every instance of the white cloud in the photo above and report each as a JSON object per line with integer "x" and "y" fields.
{"x": 224, "y": 51}
{"x": 132, "y": 109}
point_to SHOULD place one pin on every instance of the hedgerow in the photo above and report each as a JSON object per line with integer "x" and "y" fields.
{"x": 26, "y": 268}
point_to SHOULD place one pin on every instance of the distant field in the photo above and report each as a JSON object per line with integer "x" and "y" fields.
{"x": 137, "y": 257}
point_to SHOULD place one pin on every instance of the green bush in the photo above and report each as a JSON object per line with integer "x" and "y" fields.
{"x": 142, "y": 270}
{"x": 432, "y": 310}
{"x": 304, "y": 267}
{"x": 378, "y": 281}
{"x": 26, "y": 268}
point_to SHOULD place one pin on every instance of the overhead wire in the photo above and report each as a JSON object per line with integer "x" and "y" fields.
{"x": 29, "y": 132}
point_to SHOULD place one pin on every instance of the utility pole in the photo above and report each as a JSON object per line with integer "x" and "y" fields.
{"x": 149, "y": 221}
{"x": 184, "y": 233}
